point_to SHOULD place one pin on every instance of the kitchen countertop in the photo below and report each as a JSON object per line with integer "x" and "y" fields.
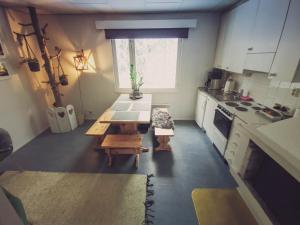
{"x": 249, "y": 117}
{"x": 218, "y": 95}
{"x": 280, "y": 140}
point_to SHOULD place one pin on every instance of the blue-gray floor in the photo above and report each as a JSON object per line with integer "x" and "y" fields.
{"x": 193, "y": 163}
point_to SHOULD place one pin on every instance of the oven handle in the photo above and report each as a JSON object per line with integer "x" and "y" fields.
{"x": 228, "y": 117}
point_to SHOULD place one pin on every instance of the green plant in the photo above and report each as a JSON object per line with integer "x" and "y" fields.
{"x": 136, "y": 81}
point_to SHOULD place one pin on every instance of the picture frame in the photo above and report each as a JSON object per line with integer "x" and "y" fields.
{"x": 4, "y": 73}
{"x": 2, "y": 53}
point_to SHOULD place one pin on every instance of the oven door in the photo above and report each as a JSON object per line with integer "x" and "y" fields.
{"x": 223, "y": 123}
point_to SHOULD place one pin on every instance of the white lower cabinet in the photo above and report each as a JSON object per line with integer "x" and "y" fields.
{"x": 200, "y": 108}
{"x": 237, "y": 146}
{"x": 208, "y": 122}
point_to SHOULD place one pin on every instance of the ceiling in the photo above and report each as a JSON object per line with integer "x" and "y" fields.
{"x": 120, "y": 6}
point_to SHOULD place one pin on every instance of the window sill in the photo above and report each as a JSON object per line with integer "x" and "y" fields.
{"x": 148, "y": 90}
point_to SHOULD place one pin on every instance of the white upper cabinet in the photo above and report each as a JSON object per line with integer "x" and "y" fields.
{"x": 268, "y": 26}
{"x": 266, "y": 34}
{"x": 287, "y": 58}
{"x": 234, "y": 36}
{"x": 244, "y": 16}
{"x": 220, "y": 51}
{"x": 249, "y": 35}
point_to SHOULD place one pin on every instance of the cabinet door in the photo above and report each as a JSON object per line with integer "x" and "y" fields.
{"x": 243, "y": 20}
{"x": 286, "y": 60}
{"x": 268, "y": 25}
{"x": 234, "y": 37}
{"x": 208, "y": 122}
{"x": 223, "y": 31}
{"x": 200, "y": 108}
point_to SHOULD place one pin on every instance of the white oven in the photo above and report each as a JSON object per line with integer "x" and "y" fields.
{"x": 222, "y": 124}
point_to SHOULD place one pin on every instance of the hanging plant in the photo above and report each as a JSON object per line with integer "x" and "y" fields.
{"x": 32, "y": 61}
{"x": 63, "y": 78}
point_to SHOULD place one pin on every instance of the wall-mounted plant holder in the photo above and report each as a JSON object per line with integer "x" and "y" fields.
{"x": 33, "y": 65}
{"x": 30, "y": 59}
{"x": 63, "y": 80}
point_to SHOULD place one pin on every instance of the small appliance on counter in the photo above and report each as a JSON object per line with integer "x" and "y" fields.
{"x": 272, "y": 114}
{"x": 214, "y": 81}
{"x": 229, "y": 86}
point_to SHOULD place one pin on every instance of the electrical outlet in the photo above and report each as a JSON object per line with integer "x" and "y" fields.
{"x": 295, "y": 92}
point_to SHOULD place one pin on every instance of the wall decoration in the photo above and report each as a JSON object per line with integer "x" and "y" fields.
{"x": 2, "y": 55}
{"x": 33, "y": 63}
{"x": 4, "y": 74}
{"x": 80, "y": 61}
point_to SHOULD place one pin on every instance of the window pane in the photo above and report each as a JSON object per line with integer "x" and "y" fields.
{"x": 123, "y": 62}
{"x": 156, "y": 61}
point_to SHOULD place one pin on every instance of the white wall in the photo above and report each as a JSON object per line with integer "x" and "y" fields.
{"x": 266, "y": 91}
{"x": 22, "y": 98}
{"x": 75, "y": 32}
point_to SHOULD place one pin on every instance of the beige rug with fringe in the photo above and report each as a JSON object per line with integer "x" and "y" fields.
{"x": 79, "y": 198}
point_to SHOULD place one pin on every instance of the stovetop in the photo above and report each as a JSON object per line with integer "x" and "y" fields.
{"x": 244, "y": 106}
{"x": 246, "y": 111}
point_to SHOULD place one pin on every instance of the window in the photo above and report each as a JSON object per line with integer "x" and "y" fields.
{"x": 154, "y": 59}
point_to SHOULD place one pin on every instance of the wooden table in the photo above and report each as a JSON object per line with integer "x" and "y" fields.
{"x": 128, "y": 113}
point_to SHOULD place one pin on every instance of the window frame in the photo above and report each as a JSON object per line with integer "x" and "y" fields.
{"x": 132, "y": 61}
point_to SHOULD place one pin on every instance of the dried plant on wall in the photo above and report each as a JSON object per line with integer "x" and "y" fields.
{"x": 32, "y": 60}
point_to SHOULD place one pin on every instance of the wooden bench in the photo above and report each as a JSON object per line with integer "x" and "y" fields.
{"x": 163, "y": 136}
{"x": 98, "y": 130}
{"x": 119, "y": 144}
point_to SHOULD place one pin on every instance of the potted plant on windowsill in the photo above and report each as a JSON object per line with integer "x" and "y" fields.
{"x": 136, "y": 83}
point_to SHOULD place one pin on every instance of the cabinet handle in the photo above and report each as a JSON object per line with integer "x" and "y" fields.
{"x": 250, "y": 49}
{"x": 235, "y": 144}
{"x": 232, "y": 152}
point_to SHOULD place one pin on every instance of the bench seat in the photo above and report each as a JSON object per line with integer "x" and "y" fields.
{"x": 98, "y": 130}
{"x": 118, "y": 144}
{"x": 163, "y": 136}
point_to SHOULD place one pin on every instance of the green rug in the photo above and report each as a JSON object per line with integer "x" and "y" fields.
{"x": 79, "y": 198}
{"x": 221, "y": 207}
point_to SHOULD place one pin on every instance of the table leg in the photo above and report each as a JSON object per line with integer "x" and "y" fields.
{"x": 163, "y": 143}
{"x": 137, "y": 160}
{"x": 99, "y": 142}
{"x": 109, "y": 157}
{"x": 130, "y": 128}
